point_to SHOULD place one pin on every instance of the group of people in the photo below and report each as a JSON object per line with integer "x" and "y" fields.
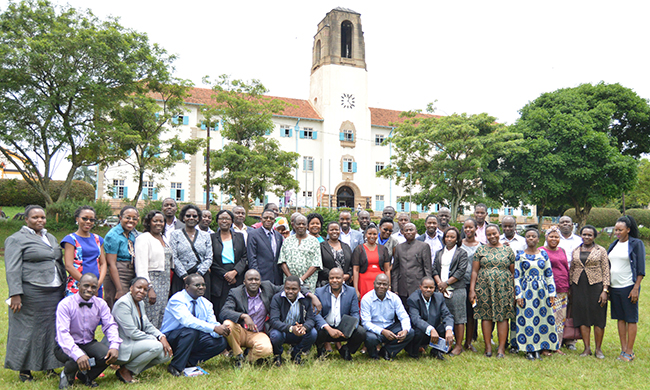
{"x": 181, "y": 293}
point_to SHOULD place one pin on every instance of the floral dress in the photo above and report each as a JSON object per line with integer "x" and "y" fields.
{"x": 300, "y": 255}
{"x": 495, "y": 292}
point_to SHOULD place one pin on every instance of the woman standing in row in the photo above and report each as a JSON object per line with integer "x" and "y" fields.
{"x": 560, "y": 266}
{"x": 153, "y": 260}
{"x": 470, "y": 245}
{"x": 83, "y": 252}
{"x": 35, "y": 275}
{"x": 314, "y": 226}
{"x": 368, "y": 261}
{"x": 335, "y": 253}
{"x": 119, "y": 246}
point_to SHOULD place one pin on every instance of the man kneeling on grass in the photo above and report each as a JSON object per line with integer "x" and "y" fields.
{"x": 292, "y": 321}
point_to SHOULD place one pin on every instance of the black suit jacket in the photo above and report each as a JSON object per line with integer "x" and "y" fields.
{"x": 280, "y": 308}
{"x": 328, "y": 261}
{"x": 438, "y": 313}
{"x": 261, "y": 256}
{"x": 218, "y": 268}
{"x": 457, "y": 268}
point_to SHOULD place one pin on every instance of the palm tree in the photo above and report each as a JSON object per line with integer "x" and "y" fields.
{"x": 87, "y": 174}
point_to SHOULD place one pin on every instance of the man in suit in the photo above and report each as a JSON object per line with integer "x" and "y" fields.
{"x": 430, "y": 318}
{"x": 169, "y": 209}
{"x": 433, "y": 235}
{"x": 364, "y": 220}
{"x": 263, "y": 248}
{"x": 389, "y": 212}
{"x": 338, "y": 299}
{"x": 292, "y": 321}
{"x": 246, "y": 313}
{"x": 238, "y": 224}
{"x": 411, "y": 262}
{"x": 402, "y": 220}
{"x": 349, "y": 236}
{"x": 191, "y": 328}
{"x": 385, "y": 320}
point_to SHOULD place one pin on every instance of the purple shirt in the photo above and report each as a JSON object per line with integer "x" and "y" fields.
{"x": 256, "y": 310}
{"x": 560, "y": 266}
{"x": 76, "y": 325}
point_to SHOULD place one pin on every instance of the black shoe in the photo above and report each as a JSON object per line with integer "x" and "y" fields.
{"x": 345, "y": 353}
{"x": 277, "y": 360}
{"x": 65, "y": 381}
{"x": 538, "y": 355}
{"x": 83, "y": 378}
{"x": 239, "y": 360}
{"x": 25, "y": 376}
{"x": 321, "y": 352}
{"x": 530, "y": 356}
{"x": 298, "y": 359}
{"x": 513, "y": 350}
{"x": 383, "y": 352}
{"x": 172, "y": 370}
{"x": 92, "y": 384}
{"x": 437, "y": 354}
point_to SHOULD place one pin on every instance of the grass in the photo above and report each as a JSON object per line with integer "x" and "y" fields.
{"x": 467, "y": 371}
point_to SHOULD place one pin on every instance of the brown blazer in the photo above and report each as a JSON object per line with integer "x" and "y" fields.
{"x": 411, "y": 262}
{"x": 596, "y": 266}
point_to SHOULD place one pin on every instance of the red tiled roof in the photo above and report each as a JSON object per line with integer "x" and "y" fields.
{"x": 383, "y": 117}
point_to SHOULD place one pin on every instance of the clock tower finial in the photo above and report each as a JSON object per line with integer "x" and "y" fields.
{"x": 339, "y": 40}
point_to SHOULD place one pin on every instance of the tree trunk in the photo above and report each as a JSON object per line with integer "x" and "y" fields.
{"x": 454, "y": 203}
{"x": 139, "y": 191}
{"x": 582, "y": 214}
{"x": 65, "y": 188}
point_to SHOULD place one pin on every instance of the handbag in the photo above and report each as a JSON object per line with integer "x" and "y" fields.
{"x": 570, "y": 332}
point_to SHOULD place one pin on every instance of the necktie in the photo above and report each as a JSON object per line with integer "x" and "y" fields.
{"x": 194, "y": 308}
{"x": 89, "y": 304}
{"x": 273, "y": 247}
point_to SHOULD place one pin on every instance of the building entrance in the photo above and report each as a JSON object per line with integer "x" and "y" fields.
{"x": 345, "y": 197}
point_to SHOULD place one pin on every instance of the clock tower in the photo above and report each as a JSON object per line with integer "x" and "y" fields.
{"x": 339, "y": 92}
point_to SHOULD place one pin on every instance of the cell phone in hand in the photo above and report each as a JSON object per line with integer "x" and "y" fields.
{"x": 91, "y": 362}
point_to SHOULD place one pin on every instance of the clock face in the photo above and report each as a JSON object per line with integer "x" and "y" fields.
{"x": 347, "y": 100}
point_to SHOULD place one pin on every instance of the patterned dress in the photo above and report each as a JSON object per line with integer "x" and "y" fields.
{"x": 534, "y": 329}
{"x": 300, "y": 255}
{"x": 161, "y": 285}
{"x": 495, "y": 292}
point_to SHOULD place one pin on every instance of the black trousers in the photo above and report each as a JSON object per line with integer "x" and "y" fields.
{"x": 93, "y": 349}
{"x": 354, "y": 342}
{"x": 420, "y": 339}
{"x": 192, "y": 346}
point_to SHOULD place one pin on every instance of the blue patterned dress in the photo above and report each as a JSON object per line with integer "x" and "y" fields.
{"x": 534, "y": 327}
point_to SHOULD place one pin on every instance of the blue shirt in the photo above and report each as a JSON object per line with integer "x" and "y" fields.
{"x": 116, "y": 243}
{"x": 178, "y": 314}
{"x": 377, "y": 314}
{"x": 228, "y": 253}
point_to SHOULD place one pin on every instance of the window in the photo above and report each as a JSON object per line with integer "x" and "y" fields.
{"x": 307, "y": 163}
{"x": 119, "y": 190}
{"x": 286, "y": 131}
{"x": 348, "y": 135}
{"x": 307, "y": 194}
{"x": 346, "y": 39}
{"x": 379, "y": 138}
{"x": 349, "y": 166}
{"x": 181, "y": 119}
{"x": 148, "y": 190}
{"x": 177, "y": 193}
{"x": 379, "y": 198}
{"x": 379, "y": 166}
{"x": 508, "y": 211}
{"x": 308, "y": 133}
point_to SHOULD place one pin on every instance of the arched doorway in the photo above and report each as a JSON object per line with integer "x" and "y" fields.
{"x": 345, "y": 197}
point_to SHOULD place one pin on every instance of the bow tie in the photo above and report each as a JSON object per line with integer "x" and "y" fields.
{"x": 89, "y": 304}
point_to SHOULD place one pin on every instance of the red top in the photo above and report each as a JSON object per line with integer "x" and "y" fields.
{"x": 560, "y": 267}
{"x": 373, "y": 257}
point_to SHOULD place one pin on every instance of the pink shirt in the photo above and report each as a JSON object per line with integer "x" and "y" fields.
{"x": 480, "y": 233}
{"x": 560, "y": 267}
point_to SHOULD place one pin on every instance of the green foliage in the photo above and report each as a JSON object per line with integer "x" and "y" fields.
{"x": 419, "y": 225}
{"x": 62, "y": 71}
{"x": 64, "y": 211}
{"x": 250, "y": 164}
{"x": 578, "y": 148}
{"x": 644, "y": 233}
{"x": 599, "y": 217}
{"x": 640, "y": 195}
{"x": 152, "y": 205}
{"x": 250, "y": 221}
{"x": 87, "y": 174}
{"x": 641, "y": 216}
{"x": 15, "y": 192}
{"x": 446, "y": 158}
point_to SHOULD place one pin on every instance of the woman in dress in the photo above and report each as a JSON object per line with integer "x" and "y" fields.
{"x": 314, "y": 226}
{"x": 300, "y": 255}
{"x": 83, "y": 252}
{"x": 534, "y": 328}
{"x": 143, "y": 345}
{"x": 119, "y": 245}
{"x": 153, "y": 259}
{"x": 448, "y": 272}
{"x": 589, "y": 275}
{"x": 470, "y": 245}
{"x": 335, "y": 254}
{"x": 627, "y": 259}
{"x": 191, "y": 250}
{"x": 35, "y": 279}
{"x": 229, "y": 260}
{"x": 492, "y": 288}
{"x": 368, "y": 261}
{"x": 560, "y": 266}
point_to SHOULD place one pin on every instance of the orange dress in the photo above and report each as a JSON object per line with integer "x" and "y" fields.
{"x": 367, "y": 279}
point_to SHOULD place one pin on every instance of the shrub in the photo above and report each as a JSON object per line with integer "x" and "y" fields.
{"x": 18, "y": 193}
{"x": 599, "y": 217}
{"x": 65, "y": 211}
{"x": 644, "y": 233}
{"x": 642, "y": 216}
{"x": 419, "y": 224}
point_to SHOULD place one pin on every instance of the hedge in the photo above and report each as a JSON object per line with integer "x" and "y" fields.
{"x": 641, "y": 216}
{"x": 599, "y": 217}
{"x": 65, "y": 211}
{"x": 17, "y": 193}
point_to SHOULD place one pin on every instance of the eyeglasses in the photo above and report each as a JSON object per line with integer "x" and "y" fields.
{"x": 88, "y": 219}
{"x": 191, "y": 216}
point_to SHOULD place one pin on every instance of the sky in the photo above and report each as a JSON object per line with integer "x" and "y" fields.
{"x": 469, "y": 56}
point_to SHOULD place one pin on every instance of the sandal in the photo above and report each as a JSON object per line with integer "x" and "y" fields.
{"x": 560, "y": 352}
{"x": 546, "y": 353}
{"x": 25, "y": 376}
{"x": 624, "y": 357}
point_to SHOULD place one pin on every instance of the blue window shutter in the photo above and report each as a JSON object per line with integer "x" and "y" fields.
{"x": 175, "y": 120}
{"x": 204, "y": 197}
{"x": 341, "y": 136}
{"x": 172, "y": 194}
{"x": 379, "y": 205}
{"x": 115, "y": 193}
{"x": 203, "y": 126}
{"x": 157, "y": 116}
{"x": 354, "y": 167}
{"x": 155, "y": 194}
{"x": 186, "y": 120}
{"x": 408, "y": 206}
{"x": 126, "y": 192}
{"x": 314, "y": 134}
{"x": 268, "y": 132}
{"x": 182, "y": 195}
{"x": 183, "y": 155}
{"x": 290, "y": 132}
{"x": 304, "y": 164}
{"x": 352, "y": 137}
{"x": 302, "y": 134}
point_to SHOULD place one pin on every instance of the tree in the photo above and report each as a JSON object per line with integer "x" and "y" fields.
{"x": 250, "y": 163}
{"x": 445, "y": 158}
{"x": 141, "y": 126}
{"x": 577, "y": 150}
{"x": 87, "y": 174}
{"x": 61, "y": 72}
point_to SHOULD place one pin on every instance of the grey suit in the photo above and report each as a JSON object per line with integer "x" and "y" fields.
{"x": 457, "y": 267}
{"x": 140, "y": 348}
{"x": 411, "y": 262}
